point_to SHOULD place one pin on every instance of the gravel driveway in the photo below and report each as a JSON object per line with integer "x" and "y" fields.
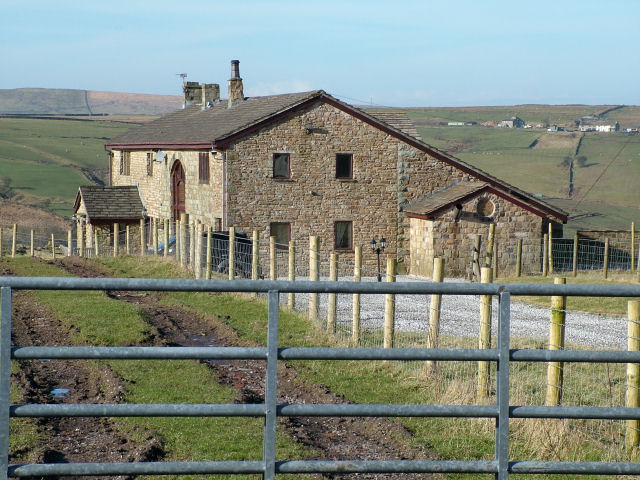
{"x": 460, "y": 316}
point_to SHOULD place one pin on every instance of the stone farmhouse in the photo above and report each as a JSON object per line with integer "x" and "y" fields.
{"x": 303, "y": 164}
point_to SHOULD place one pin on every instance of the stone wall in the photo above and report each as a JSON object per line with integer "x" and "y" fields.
{"x": 451, "y": 235}
{"x": 617, "y": 238}
{"x": 203, "y": 202}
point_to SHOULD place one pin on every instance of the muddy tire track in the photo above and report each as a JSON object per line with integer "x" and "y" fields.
{"x": 354, "y": 438}
{"x": 72, "y": 439}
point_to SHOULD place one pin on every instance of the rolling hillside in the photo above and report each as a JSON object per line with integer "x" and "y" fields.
{"x": 50, "y": 101}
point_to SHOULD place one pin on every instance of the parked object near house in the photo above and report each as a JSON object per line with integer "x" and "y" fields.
{"x": 303, "y": 164}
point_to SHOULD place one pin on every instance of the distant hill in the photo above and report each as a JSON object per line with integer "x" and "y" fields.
{"x": 52, "y": 101}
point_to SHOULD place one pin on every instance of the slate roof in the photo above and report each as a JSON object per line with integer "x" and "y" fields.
{"x": 445, "y": 197}
{"x": 218, "y": 125}
{"x": 110, "y": 203}
{"x": 194, "y": 125}
{"x": 397, "y": 119}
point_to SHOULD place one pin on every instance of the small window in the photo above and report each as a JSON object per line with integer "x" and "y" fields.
{"x": 125, "y": 163}
{"x": 344, "y": 165}
{"x": 343, "y": 235}
{"x": 281, "y": 166}
{"x": 149, "y": 164}
{"x": 203, "y": 167}
{"x": 282, "y": 232}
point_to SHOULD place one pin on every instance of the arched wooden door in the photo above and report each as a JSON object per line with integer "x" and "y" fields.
{"x": 177, "y": 190}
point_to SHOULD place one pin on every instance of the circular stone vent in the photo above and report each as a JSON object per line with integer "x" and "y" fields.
{"x": 486, "y": 207}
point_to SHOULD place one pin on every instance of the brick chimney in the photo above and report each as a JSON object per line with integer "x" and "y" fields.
{"x": 236, "y": 94}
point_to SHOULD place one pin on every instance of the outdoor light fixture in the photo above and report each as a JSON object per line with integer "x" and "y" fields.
{"x": 378, "y": 250}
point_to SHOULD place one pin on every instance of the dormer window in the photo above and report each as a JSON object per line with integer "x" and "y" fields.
{"x": 281, "y": 165}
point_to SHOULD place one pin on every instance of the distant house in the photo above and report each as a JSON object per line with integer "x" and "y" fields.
{"x": 591, "y": 124}
{"x": 513, "y": 122}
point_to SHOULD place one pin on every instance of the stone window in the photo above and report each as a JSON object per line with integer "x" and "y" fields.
{"x": 125, "y": 163}
{"x": 344, "y": 165}
{"x": 282, "y": 232}
{"x": 485, "y": 207}
{"x": 149, "y": 164}
{"x": 343, "y": 235}
{"x": 203, "y": 167}
{"x": 281, "y": 165}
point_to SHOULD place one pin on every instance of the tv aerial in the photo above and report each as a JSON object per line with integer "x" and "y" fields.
{"x": 182, "y": 76}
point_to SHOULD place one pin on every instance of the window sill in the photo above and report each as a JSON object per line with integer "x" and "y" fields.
{"x": 202, "y": 182}
{"x": 347, "y": 180}
{"x": 283, "y": 179}
{"x": 343, "y": 250}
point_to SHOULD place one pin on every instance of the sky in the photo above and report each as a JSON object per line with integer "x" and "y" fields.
{"x": 391, "y": 53}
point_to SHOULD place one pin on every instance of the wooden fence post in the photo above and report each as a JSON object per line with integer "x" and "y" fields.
{"x": 556, "y": 342}
{"x": 127, "y": 239}
{"x": 116, "y": 239}
{"x": 70, "y": 243}
{"x": 198, "y": 255}
{"x": 0, "y": 242}
{"x": 605, "y": 266}
{"x": 53, "y": 246}
{"x": 575, "y": 255}
{"x": 209, "y": 239}
{"x": 357, "y": 273}
{"x": 519, "y": 258}
{"x": 31, "y": 243}
{"x": 178, "y": 229}
{"x": 232, "y": 253}
{"x": 484, "y": 339}
{"x": 255, "y": 258}
{"x": 155, "y": 236}
{"x": 545, "y": 255}
{"x": 292, "y": 273}
{"x": 633, "y": 244}
{"x": 314, "y": 273}
{"x": 95, "y": 242}
{"x": 332, "y": 307}
{"x": 13, "y": 240}
{"x": 143, "y": 241}
{"x": 434, "y": 313}
{"x": 477, "y": 241}
{"x": 550, "y": 256}
{"x": 80, "y": 239}
{"x": 192, "y": 243}
{"x": 489, "y": 257}
{"x": 495, "y": 256}
{"x": 632, "y": 438}
{"x": 272, "y": 258}
{"x": 165, "y": 251}
{"x": 390, "y": 305}
{"x": 183, "y": 239}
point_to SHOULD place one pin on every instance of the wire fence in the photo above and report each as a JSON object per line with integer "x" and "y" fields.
{"x": 207, "y": 253}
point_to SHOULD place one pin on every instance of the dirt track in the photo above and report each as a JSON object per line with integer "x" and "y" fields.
{"x": 336, "y": 438}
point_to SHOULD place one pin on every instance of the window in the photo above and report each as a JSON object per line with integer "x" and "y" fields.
{"x": 282, "y": 232}
{"x": 203, "y": 167}
{"x": 343, "y": 235}
{"x": 149, "y": 164}
{"x": 344, "y": 165}
{"x": 125, "y": 162}
{"x": 281, "y": 166}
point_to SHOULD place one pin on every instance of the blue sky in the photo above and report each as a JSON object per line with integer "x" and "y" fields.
{"x": 402, "y": 53}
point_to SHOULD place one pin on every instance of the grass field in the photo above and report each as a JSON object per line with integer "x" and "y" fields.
{"x": 43, "y": 162}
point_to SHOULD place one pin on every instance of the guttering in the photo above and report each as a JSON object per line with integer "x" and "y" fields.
{"x": 224, "y": 190}
{"x": 166, "y": 146}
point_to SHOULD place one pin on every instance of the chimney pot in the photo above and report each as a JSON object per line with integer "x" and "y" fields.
{"x": 236, "y": 95}
{"x": 235, "y": 68}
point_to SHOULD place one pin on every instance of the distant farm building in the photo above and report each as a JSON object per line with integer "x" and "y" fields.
{"x": 513, "y": 122}
{"x": 594, "y": 124}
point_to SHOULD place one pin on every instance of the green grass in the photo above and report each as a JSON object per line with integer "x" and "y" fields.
{"x": 101, "y": 320}
{"x": 454, "y": 383}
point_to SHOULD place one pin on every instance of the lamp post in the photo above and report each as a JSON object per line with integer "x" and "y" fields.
{"x": 378, "y": 250}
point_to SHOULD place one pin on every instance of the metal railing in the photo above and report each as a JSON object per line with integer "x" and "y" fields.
{"x": 269, "y": 466}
